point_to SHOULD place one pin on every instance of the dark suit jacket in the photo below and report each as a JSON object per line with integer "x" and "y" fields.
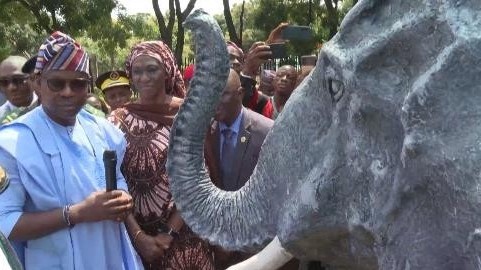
{"x": 252, "y": 132}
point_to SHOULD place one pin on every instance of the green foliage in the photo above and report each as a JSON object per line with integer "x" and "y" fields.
{"x": 69, "y": 16}
{"x": 24, "y": 25}
{"x": 111, "y": 45}
{"x": 267, "y": 14}
{"x": 346, "y": 6}
{"x": 27, "y": 23}
{"x": 108, "y": 40}
{"x": 141, "y": 25}
{"x": 25, "y": 44}
{"x": 251, "y": 32}
{"x": 294, "y": 12}
{"x": 17, "y": 34}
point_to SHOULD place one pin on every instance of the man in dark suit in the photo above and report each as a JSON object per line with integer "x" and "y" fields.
{"x": 232, "y": 149}
{"x": 235, "y": 138}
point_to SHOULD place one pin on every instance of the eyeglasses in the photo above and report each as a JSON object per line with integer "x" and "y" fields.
{"x": 76, "y": 85}
{"x": 17, "y": 81}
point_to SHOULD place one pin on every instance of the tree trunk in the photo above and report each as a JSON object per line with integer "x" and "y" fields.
{"x": 241, "y": 22}
{"x": 165, "y": 30}
{"x": 179, "y": 45}
{"x": 333, "y": 16}
{"x": 230, "y": 24}
{"x": 181, "y": 16}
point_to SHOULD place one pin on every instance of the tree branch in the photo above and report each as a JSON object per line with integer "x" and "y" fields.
{"x": 170, "y": 26}
{"x": 332, "y": 17}
{"x": 36, "y": 12}
{"x": 55, "y": 24}
{"x": 188, "y": 9}
{"x": 5, "y": 2}
{"x": 178, "y": 10}
{"x": 160, "y": 18}
{"x": 179, "y": 46}
{"x": 241, "y": 22}
{"x": 230, "y": 24}
{"x": 329, "y": 5}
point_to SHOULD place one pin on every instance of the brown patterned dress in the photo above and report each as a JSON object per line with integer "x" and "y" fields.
{"x": 144, "y": 169}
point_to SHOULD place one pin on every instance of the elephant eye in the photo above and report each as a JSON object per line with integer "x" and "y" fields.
{"x": 336, "y": 89}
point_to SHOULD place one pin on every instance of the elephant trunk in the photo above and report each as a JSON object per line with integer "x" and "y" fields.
{"x": 233, "y": 220}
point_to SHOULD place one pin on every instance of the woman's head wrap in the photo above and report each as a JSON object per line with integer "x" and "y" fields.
{"x": 61, "y": 52}
{"x": 174, "y": 84}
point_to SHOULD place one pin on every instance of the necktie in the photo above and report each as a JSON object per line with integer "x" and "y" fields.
{"x": 227, "y": 155}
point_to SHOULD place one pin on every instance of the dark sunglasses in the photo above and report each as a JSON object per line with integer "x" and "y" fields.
{"x": 17, "y": 81}
{"x": 76, "y": 85}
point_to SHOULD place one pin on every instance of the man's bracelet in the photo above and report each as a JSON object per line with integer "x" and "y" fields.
{"x": 66, "y": 215}
{"x": 136, "y": 236}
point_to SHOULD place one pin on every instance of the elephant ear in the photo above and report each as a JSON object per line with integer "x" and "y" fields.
{"x": 423, "y": 57}
{"x": 437, "y": 190}
{"x": 412, "y": 94}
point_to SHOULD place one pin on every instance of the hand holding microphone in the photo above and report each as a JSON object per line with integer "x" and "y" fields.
{"x": 111, "y": 204}
{"x": 110, "y": 164}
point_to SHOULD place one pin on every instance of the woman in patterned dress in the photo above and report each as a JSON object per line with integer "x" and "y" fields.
{"x": 156, "y": 229}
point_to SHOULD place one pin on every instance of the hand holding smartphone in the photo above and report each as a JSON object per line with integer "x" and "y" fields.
{"x": 289, "y": 32}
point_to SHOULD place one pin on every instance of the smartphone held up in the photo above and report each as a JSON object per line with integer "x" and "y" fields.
{"x": 290, "y": 33}
{"x": 278, "y": 50}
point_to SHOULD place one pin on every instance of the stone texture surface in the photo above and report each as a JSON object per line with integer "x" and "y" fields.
{"x": 375, "y": 162}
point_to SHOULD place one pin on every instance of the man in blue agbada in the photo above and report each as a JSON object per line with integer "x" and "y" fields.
{"x": 56, "y": 203}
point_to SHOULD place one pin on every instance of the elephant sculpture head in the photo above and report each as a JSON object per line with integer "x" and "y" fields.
{"x": 375, "y": 161}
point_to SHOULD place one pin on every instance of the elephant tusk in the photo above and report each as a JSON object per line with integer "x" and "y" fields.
{"x": 272, "y": 257}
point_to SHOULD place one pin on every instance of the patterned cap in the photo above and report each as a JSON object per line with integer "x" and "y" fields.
{"x": 61, "y": 52}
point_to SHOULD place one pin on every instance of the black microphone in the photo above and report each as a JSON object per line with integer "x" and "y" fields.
{"x": 110, "y": 162}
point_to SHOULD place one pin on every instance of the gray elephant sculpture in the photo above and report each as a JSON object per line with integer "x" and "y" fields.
{"x": 375, "y": 161}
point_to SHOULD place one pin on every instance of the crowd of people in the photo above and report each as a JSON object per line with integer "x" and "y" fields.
{"x": 57, "y": 212}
